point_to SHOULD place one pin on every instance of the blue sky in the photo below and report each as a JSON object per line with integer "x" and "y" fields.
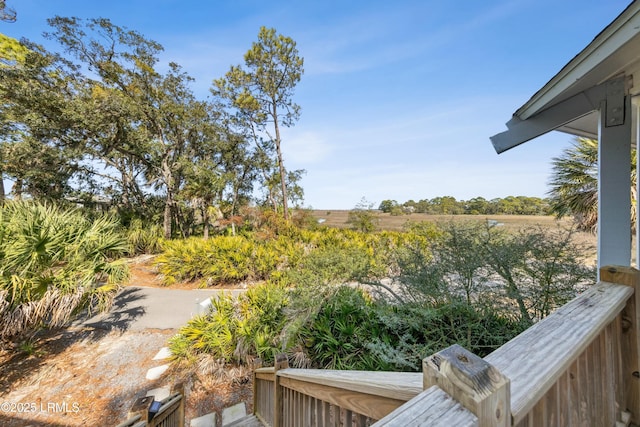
{"x": 398, "y": 99}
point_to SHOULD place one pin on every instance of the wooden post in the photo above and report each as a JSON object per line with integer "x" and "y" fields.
{"x": 255, "y": 364}
{"x": 628, "y": 276}
{"x": 141, "y": 407}
{"x": 179, "y": 388}
{"x": 473, "y": 382}
{"x": 281, "y": 363}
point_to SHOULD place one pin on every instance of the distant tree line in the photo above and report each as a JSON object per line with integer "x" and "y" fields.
{"x": 448, "y": 205}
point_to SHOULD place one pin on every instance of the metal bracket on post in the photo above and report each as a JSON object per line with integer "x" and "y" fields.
{"x": 615, "y": 96}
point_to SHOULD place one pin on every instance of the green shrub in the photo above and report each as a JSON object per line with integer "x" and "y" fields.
{"x": 454, "y": 284}
{"x": 144, "y": 240}
{"x": 236, "y": 331}
{"x": 336, "y": 337}
{"x": 249, "y": 256}
{"x": 53, "y": 263}
{"x": 215, "y": 260}
{"x": 530, "y": 272}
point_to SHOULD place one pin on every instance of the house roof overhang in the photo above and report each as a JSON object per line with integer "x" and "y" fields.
{"x": 570, "y": 100}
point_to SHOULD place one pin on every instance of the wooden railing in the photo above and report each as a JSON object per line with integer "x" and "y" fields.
{"x": 579, "y": 366}
{"x": 315, "y": 397}
{"x": 170, "y": 412}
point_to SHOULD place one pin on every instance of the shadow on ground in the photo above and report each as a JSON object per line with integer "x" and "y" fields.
{"x": 122, "y": 314}
{"x": 26, "y": 355}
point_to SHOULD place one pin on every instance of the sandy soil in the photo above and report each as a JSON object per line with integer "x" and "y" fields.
{"x": 91, "y": 377}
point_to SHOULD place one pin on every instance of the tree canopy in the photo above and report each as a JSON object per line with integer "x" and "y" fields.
{"x": 261, "y": 94}
{"x": 7, "y": 14}
{"x": 106, "y": 121}
{"x": 449, "y": 205}
{"x": 574, "y": 184}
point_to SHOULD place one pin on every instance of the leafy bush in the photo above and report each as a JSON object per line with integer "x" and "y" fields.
{"x": 144, "y": 240}
{"x": 336, "y": 337}
{"x": 352, "y": 331}
{"x": 236, "y": 331}
{"x": 256, "y": 257}
{"x": 469, "y": 284}
{"x": 220, "y": 259}
{"x": 53, "y": 263}
{"x": 532, "y": 271}
{"x": 226, "y": 259}
{"x": 363, "y": 218}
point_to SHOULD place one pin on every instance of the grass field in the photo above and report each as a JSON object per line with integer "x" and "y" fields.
{"x": 338, "y": 218}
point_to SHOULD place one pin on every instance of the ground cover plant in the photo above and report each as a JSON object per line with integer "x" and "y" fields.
{"x": 267, "y": 254}
{"x": 53, "y": 263}
{"x": 384, "y": 301}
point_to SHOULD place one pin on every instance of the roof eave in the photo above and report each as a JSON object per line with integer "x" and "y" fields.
{"x": 613, "y": 37}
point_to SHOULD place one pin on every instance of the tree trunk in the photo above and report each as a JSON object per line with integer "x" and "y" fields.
{"x": 167, "y": 177}
{"x": 17, "y": 189}
{"x": 283, "y": 177}
{"x": 167, "y": 217}
{"x": 205, "y": 220}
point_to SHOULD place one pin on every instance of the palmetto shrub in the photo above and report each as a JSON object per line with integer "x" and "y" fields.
{"x": 256, "y": 256}
{"x": 226, "y": 259}
{"x": 236, "y": 330}
{"x": 144, "y": 239}
{"x": 336, "y": 337}
{"x": 53, "y": 263}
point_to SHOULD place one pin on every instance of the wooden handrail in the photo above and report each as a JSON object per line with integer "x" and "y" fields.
{"x": 394, "y": 385}
{"x": 535, "y": 359}
{"x": 578, "y": 366}
{"x": 433, "y": 408}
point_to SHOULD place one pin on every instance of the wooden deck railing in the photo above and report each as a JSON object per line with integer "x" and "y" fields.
{"x": 579, "y": 366}
{"x": 316, "y": 397}
{"x": 170, "y": 413}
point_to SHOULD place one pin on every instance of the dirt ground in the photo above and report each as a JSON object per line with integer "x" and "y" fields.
{"x": 91, "y": 377}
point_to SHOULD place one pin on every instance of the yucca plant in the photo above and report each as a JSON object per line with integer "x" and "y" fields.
{"x": 53, "y": 263}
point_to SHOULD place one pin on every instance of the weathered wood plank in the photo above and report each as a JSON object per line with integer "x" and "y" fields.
{"x": 473, "y": 382}
{"x": 610, "y": 370}
{"x": 538, "y": 415}
{"x": 573, "y": 393}
{"x": 630, "y": 339}
{"x": 551, "y": 404}
{"x": 598, "y": 361}
{"x": 433, "y": 408}
{"x": 248, "y": 421}
{"x": 265, "y": 376}
{"x": 263, "y": 408}
{"x": 281, "y": 362}
{"x": 535, "y": 359}
{"x": 584, "y": 384}
{"x": 564, "y": 416}
{"x": 394, "y": 385}
{"x": 370, "y": 405}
